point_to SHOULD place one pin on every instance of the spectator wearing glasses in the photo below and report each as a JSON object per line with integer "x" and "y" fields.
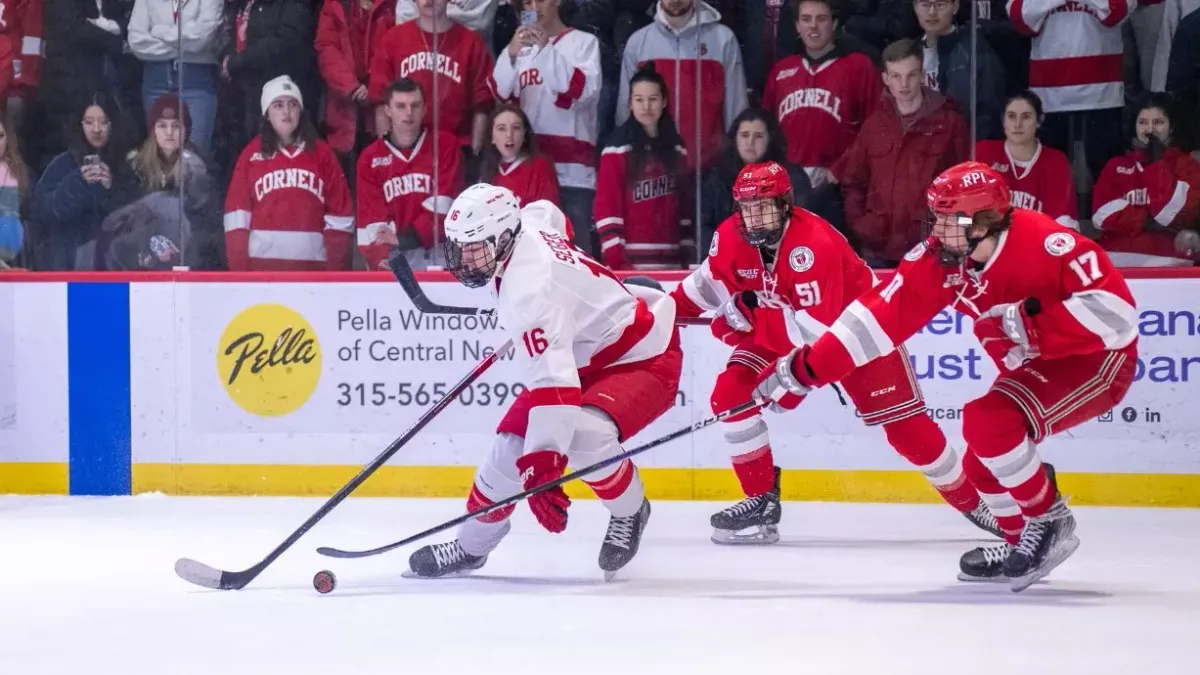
{"x": 947, "y": 63}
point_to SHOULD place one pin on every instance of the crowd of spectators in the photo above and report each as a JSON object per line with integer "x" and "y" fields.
{"x": 321, "y": 134}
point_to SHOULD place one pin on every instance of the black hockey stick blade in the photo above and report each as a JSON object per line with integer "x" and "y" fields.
{"x": 210, "y": 577}
{"x": 615, "y": 459}
{"x": 398, "y": 263}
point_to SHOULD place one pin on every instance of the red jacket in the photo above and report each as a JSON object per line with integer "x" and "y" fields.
{"x": 1133, "y": 205}
{"x": 885, "y": 173}
{"x": 343, "y": 69}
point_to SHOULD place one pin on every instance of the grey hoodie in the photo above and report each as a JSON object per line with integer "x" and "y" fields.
{"x": 154, "y": 33}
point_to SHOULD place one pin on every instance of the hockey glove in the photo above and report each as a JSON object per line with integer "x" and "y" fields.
{"x": 1007, "y": 334}
{"x": 781, "y": 387}
{"x": 549, "y": 506}
{"x": 736, "y": 318}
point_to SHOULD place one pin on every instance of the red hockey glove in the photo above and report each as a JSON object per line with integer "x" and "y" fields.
{"x": 735, "y": 318}
{"x": 549, "y": 506}
{"x": 782, "y": 386}
{"x": 1007, "y": 333}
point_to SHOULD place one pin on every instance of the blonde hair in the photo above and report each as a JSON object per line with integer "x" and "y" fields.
{"x": 153, "y": 170}
{"x": 12, "y": 158}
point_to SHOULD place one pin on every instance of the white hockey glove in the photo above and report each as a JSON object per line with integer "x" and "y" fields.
{"x": 781, "y": 386}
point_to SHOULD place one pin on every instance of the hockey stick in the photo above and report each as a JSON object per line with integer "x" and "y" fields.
{"x": 412, "y": 288}
{"x": 210, "y": 577}
{"x": 339, "y": 553}
{"x": 408, "y": 281}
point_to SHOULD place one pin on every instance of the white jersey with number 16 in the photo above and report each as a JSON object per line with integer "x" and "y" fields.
{"x": 568, "y": 317}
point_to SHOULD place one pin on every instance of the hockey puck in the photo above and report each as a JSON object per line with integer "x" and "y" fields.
{"x": 324, "y": 581}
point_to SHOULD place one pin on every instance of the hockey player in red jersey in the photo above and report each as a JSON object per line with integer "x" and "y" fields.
{"x": 779, "y": 276}
{"x": 1049, "y": 308}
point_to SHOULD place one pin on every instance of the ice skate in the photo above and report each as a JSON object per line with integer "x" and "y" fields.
{"x": 447, "y": 559}
{"x": 982, "y": 518}
{"x": 761, "y": 513}
{"x": 622, "y": 540}
{"x": 985, "y": 563}
{"x": 1046, "y": 542}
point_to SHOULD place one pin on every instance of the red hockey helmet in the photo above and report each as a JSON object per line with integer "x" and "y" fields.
{"x": 763, "y": 194}
{"x": 954, "y": 199}
{"x": 967, "y": 189}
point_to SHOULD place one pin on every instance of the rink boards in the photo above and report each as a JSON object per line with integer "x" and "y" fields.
{"x": 219, "y": 384}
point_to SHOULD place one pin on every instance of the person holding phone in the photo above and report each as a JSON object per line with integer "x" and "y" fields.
{"x": 553, "y": 72}
{"x": 74, "y": 194}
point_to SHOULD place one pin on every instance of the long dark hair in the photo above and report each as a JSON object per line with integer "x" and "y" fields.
{"x": 662, "y": 148}
{"x": 489, "y": 156}
{"x": 1154, "y": 99}
{"x": 730, "y": 162}
{"x": 306, "y": 133}
{"x": 113, "y": 153}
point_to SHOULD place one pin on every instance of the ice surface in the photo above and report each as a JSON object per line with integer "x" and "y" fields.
{"x": 87, "y": 586}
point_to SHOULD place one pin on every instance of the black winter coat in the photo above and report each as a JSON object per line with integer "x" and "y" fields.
{"x": 954, "y": 80}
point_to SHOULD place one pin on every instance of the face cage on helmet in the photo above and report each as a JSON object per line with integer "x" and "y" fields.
{"x": 958, "y": 237}
{"x": 471, "y": 277}
{"x": 764, "y": 237}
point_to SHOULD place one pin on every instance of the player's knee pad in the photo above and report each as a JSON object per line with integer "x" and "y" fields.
{"x": 497, "y": 478}
{"x": 734, "y": 386}
{"x": 916, "y": 438}
{"x": 993, "y": 424}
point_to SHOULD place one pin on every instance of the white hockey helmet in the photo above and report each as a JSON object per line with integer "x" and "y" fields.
{"x": 480, "y": 230}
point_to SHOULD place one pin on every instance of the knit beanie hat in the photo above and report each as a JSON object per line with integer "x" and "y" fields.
{"x": 169, "y": 107}
{"x": 279, "y": 87}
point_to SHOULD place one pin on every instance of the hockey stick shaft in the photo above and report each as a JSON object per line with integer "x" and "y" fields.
{"x": 339, "y": 553}
{"x": 203, "y": 575}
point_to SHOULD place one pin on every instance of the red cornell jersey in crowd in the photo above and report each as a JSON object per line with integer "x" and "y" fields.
{"x": 288, "y": 211}
{"x": 396, "y": 191}
{"x": 1086, "y": 306}
{"x": 1133, "y": 204}
{"x": 821, "y": 105}
{"x": 1044, "y": 183}
{"x": 462, "y": 63}
{"x": 21, "y": 49}
{"x": 530, "y": 179}
{"x": 646, "y": 225}
{"x": 813, "y": 277}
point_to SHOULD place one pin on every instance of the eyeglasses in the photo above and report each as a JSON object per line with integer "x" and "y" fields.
{"x": 939, "y": 5}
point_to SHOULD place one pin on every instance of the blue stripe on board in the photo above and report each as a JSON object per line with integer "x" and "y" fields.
{"x": 98, "y": 388}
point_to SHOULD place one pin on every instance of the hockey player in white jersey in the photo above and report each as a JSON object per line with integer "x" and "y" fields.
{"x": 602, "y": 361}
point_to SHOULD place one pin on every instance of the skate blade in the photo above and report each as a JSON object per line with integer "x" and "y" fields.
{"x": 409, "y": 574}
{"x": 610, "y": 576}
{"x": 998, "y": 579}
{"x": 1056, "y": 558}
{"x": 761, "y": 537}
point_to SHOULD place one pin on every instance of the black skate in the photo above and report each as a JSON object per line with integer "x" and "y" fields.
{"x": 622, "y": 540}
{"x": 1046, "y": 542}
{"x": 762, "y": 513}
{"x": 985, "y": 563}
{"x": 441, "y": 560}
{"x": 982, "y": 518}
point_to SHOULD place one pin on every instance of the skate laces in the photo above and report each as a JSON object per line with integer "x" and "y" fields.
{"x": 996, "y": 554}
{"x": 449, "y": 553}
{"x": 745, "y": 506}
{"x": 620, "y": 531}
{"x": 1031, "y": 536}
{"x": 983, "y": 515}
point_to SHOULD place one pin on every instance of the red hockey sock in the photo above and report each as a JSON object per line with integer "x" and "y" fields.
{"x": 999, "y": 502}
{"x": 621, "y": 491}
{"x": 996, "y": 430}
{"x": 755, "y": 471}
{"x": 478, "y": 500}
{"x": 921, "y": 441}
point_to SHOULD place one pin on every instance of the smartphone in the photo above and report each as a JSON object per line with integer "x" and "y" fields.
{"x": 528, "y": 17}
{"x": 91, "y": 160}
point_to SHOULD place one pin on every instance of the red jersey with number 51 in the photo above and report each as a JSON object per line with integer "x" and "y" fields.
{"x": 569, "y": 316}
{"x": 1086, "y": 306}
{"x": 801, "y": 290}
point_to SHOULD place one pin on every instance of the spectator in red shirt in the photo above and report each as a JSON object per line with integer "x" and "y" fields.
{"x": 432, "y": 49}
{"x": 914, "y": 135}
{"x": 347, "y": 33}
{"x": 510, "y": 161}
{"x": 1147, "y": 197}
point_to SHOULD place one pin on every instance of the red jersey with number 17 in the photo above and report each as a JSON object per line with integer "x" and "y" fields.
{"x": 1086, "y": 306}
{"x": 801, "y": 291}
